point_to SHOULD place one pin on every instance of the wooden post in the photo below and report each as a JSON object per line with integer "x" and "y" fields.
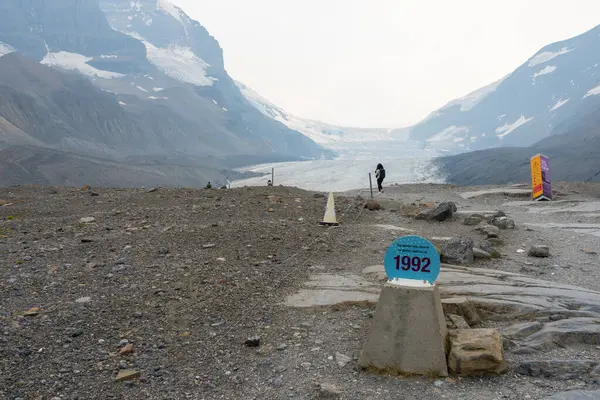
{"x": 273, "y": 177}
{"x": 371, "y": 184}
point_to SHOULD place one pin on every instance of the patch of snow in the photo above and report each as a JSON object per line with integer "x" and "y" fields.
{"x": 559, "y": 104}
{"x": 180, "y": 63}
{"x": 109, "y": 56}
{"x": 349, "y": 142}
{"x": 546, "y": 56}
{"x": 6, "y": 48}
{"x": 158, "y": 98}
{"x": 136, "y": 5}
{"x": 472, "y": 99}
{"x": 509, "y": 128}
{"x": 142, "y": 89}
{"x": 546, "y": 70}
{"x": 501, "y": 116}
{"x": 449, "y": 134}
{"x": 77, "y": 62}
{"x": 214, "y": 101}
{"x": 123, "y": 104}
{"x": 224, "y": 109}
{"x": 158, "y": 89}
{"x": 593, "y": 92}
{"x": 169, "y": 8}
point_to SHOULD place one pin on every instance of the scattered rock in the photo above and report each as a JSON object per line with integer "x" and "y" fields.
{"x": 373, "y": 205}
{"x": 128, "y": 349}
{"x": 476, "y": 352}
{"x": 275, "y": 199}
{"x": 32, "y": 312}
{"x": 473, "y": 220}
{"x": 456, "y": 322}
{"x": 489, "y": 231}
{"x": 127, "y": 374}
{"x": 590, "y": 252}
{"x": 83, "y": 300}
{"x": 480, "y": 254}
{"x": 87, "y": 220}
{"x": 151, "y": 190}
{"x": 208, "y": 246}
{"x": 86, "y": 240}
{"x": 538, "y": 250}
{"x": 503, "y": 223}
{"x": 342, "y": 360}
{"x": 441, "y": 213}
{"x": 557, "y": 369}
{"x": 463, "y": 307}
{"x": 252, "y": 341}
{"x": 319, "y": 196}
{"x": 329, "y": 391}
{"x": 458, "y": 252}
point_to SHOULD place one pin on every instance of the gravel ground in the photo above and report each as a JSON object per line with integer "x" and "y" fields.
{"x": 187, "y": 276}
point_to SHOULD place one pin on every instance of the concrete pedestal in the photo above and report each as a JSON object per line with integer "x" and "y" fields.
{"x": 408, "y": 334}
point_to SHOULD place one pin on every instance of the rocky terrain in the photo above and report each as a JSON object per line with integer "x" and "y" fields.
{"x": 183, "y": 293}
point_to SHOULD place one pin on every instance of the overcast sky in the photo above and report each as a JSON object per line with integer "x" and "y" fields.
{"x": 381, "y": 63}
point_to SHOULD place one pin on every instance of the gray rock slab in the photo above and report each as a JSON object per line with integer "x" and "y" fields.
{"x": 576, "y": 395}
{"x": 513, "y": 192}
{"x": 557, "y": 369}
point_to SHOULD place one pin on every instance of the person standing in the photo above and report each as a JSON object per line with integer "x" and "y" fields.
{"x": 380, "y": 175}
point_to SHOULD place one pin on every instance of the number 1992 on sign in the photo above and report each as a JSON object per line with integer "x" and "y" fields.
{"x": 416, "y": 264}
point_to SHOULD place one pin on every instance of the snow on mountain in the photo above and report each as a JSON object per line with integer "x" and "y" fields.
{"x": 180, "y": 63}
{"x": 5, "y": 49}
{"x": 331, "y": 136}
{"x": 545, "y": 56}
{"x": 523, "y": 107}
{"x": 79, "y": 63}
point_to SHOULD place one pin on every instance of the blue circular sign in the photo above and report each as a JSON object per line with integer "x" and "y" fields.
{"x": 412, "y": 257}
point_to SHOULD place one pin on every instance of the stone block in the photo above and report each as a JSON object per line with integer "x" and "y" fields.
{"x": 476, "y": 352}
{"x": 408, "y": 334}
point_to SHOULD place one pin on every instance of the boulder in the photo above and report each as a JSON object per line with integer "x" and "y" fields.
{"x": 557, "y": 369}
{"x": 329, "y": 391}
{"x": 456, "y": 322}
{"x": 504, "y": 223}
{"x": 480, "y": 254}
{"x": 441, "y": 213}
{"x": 373, "y": 205}
{"x": 473, "y": 220}
{"x": 463, "y": 307}
{"x": 458, "y": 252}
{"x": 489, "y": 231}
{"x": 476, "y": 352}
{"x": 539, "y": 251}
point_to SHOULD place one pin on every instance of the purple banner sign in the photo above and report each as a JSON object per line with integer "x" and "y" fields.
{"x": 547, "y": 186}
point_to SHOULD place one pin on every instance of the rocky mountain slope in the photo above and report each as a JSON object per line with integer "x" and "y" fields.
{"x": 158, "y": 86}
{"x": 559, "y": 82}
{"x": 573, "y": 152}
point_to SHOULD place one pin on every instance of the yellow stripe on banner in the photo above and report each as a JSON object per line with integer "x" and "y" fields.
{"x": 537, "y": 188}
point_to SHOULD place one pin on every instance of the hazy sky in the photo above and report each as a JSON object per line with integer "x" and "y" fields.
{"x": 381, "y": 63}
